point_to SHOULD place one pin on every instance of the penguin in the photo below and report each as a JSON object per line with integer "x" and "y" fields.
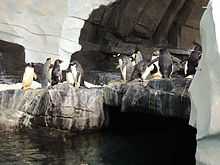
{"x": 50, "y": 74}
{"x": 151, "y": 71}
{"x": 46, "y": 72}
{"x": 56, "y": 75}
{"x": 193, "y": 61}
{"x": 28, "y": 76}
{"x": 126, "y": 67}
{"x": 69, "y": 74}
{"x": 165, "y": 63}
{"x": 143, "y": 69}
{"x": 77, "y": 73}
{"x": 136, "y": 57}
{"x": 139, "y": 70}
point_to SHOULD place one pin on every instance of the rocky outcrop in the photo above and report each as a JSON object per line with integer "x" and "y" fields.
{"x": 64, "y": 107}
{"x": 125, "y": 24}
{"x": 61, "y": 107}
{"x": 159, "y": 97}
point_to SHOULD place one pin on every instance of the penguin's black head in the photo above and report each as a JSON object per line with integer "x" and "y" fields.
{"x": 197, "y": 46}
{"x": 32, "y": 64}
{"x": 58, "y": 61}
{"x": 162, "y": 50}
{"x": 28, "y": 64}
{"x": 48, "y": 59}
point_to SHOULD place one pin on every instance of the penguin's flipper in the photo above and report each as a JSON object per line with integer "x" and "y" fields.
{"x": 171, "y": 70}
{"x": 78, "y": 81}
{"x": 147, "y": 71}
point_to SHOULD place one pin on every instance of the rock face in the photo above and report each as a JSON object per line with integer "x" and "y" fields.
{"x": 161, "y": 97}
{"x": 62, "y": 107}
{"x": 67, "y": 108}
{"x": 125, "y": 24}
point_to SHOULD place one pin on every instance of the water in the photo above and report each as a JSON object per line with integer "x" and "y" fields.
{"x": 43, "y": 147}
{"x": 36, "y": 147}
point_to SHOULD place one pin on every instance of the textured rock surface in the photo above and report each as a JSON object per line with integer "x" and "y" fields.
{"x": 57, "y": 28}
{"x": 163, "y": 97}
{"x": 67, "y": 108}
{"x": 124, "y": 24}
{"x": 62, "y": 107}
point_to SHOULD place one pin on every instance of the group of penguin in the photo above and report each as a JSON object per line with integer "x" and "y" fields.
{"x": 161, "y": 65}
{"x": 52, "y": 74}
{"x": 131, "y": 67}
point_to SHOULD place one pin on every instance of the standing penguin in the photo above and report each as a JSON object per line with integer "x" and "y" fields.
{"x": 165, "y": 63}
{"x": 45, "y": 74}
{"x": 137, "y": 57}
{"x": 144, "y": 70}
{"x": 126, "y": 67}
{"x": 193, "y": 61}
{"x": 28, "y": 77}
{"x": 69, "y": 74}
{"x": 77, "y": 73}
{"x": 56, "y": 73}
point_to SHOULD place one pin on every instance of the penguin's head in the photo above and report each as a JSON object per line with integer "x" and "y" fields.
{"x": 73, "y": 68}
{"x": 116, "y": 55}
{"x": 48, "y": 59}
{"x": 156, "y": 53}
{"x": 136, "y": 57}
{"x": 197, "y": 46}
{"x": 58, "y": 62}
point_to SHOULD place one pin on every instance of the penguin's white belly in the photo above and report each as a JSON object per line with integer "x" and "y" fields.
{"x": 124, "y": 72}
{"x": 146, "y": 72}
{"x": 74, "y": 74}
{"x": 69, "y": 78}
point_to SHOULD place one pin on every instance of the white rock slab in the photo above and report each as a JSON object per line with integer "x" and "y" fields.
{"x": 48, "y": 28}
{"x": 208, "y": 151}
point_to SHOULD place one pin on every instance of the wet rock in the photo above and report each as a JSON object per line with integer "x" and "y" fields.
{"x": 64, "y": 107}
{"x": 162, "y": 97}
{"x": 77, "y": 109}
{"x": 61, "y": 107}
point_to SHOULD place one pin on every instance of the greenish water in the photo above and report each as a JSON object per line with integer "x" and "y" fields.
{"x": 39, "y": 147}
{"x": 106, "y": 148}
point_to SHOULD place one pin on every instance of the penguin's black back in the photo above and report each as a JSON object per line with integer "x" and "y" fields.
{"x": 193, "y": 60}
{"x": 56, "y": 73}
{"x": 165, "y": 63}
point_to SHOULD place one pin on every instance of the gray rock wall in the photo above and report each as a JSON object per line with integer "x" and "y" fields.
{"x": 64, "y": 107}
{"x": 121, "y": 26}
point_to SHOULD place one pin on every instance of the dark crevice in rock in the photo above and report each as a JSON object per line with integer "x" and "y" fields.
{"x": 12, "y": 62}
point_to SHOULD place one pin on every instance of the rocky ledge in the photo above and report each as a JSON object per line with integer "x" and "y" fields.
{"x": 67, "y": 108}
